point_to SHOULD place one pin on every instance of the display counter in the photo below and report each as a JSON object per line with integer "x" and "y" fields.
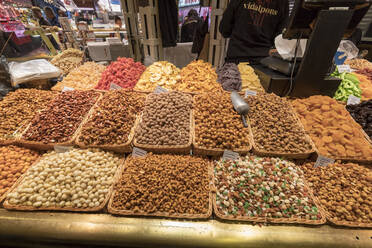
{"x": 39, "y": 228}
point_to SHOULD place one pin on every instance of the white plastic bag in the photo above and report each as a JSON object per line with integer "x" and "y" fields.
{"x": 21, "y": 72}
{"x": 286, "y": 48}
{"x": 349, "y": 48}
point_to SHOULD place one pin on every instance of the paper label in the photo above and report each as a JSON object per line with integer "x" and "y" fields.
{"x": 114, "y": 87}
{"x": 137, "y": 152}
{"x": 343, "y": 68}
{"x": 250, "y": 93}
{"x": 160, "y": 89}
{"x": 352, "y": 100}
{"x": 62, "y": 149}
{"x": 230, "y": 155}
{"x": 323, "y": 161}
{"x": 67, "y": 89}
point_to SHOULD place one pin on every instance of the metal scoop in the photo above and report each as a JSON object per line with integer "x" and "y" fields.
{"x": 240, "y": 106}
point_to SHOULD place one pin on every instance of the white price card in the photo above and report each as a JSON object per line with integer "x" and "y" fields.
{"x": 352, "y": 100}
{"x": 250, "y": 93}
{"x": 114, "y": 87}
{"x": 323, "y": 161}
{"x": 62, "y": 149}
{"x": 230, "y": 155}
{"x": 160, "y": 89}
{"x": 67, "y": 89}
{"x": 137, "y": 152}
{"x": 343, "y": 68}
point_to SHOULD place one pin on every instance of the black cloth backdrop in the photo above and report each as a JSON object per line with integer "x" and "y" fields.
{"x": 168, "y": 18}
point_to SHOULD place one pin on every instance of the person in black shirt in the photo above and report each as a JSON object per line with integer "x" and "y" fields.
{"x": 36, "y": 11}
{"x": 192, "y": 20}
{"x": 252, "y": 26}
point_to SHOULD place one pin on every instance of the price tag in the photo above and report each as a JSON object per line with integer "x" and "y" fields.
{"x": 137, "y": 152}
{"x": 114, "y": 87}
{"x": 62, "y": 149}
{"x": 250, "y": 93}
{"x": 343, "y": 68}
{"x": 230, "y": 155}
{"x": 323, "y": 161}
{"x": 160, "y": 89}
{"x": 67, "y": 89}
{"x": 352, "y": 100}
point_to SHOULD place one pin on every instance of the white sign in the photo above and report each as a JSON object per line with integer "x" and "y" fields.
{"x": 67, "y": 89}
{"x": 250, "y": 93}
{"x": 230, "y": 155}
{"x": 343, "y": 68}
{"x": 323, "y": 161}
{"x": 352, "y": 100}
{"x": 137, "y": 152}
{"x": 62, "y": 149}
{"x": 160, "y": 89}
{"x": 114, "y": 87}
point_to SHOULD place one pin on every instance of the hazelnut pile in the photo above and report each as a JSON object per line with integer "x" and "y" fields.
{"x": 217, "y": 124}
{"x": 59, "y": 121}
{"x": 274, "y": 127}
{"x": 14, "y": 161}
{"x": 344, "y": 190}
{"x": 112, "y": 119}
{"x": 167, "y": 184}
{"x": 165, "y": 119}
{"x": 198, "y": 76}
{"x": 262, "y": 187}
{"x": 75, "y": 179}
{"x": 18, "y": 108}
{"x": 84, "y": 77}
{"x": 332, "y": 129}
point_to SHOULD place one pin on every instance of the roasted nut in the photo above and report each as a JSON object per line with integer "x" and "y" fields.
{"x": 344, "y": 190}
{"x": 84, "y": 77}
{"x": 18, "y": 108}
{"x": 217, "y": 125}
{"x": 331, "y": 128}
{"x": 59, "y": 121}
{"x": 166, "y": 184}
{"x": 74, "y": 179}
{"x": 165, "y": 119}
{"x": 274, "y": 126}
{"x": 14, "y": 161}
{"x": 113, "y": 118}
{"x": 68, "y": 60}
{"x": 262, "y": 187}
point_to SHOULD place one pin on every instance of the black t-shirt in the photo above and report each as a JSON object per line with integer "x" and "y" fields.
{"x": 252, "y": 26}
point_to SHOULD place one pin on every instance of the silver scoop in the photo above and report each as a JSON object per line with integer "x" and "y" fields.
{"x": 240, "y": 106}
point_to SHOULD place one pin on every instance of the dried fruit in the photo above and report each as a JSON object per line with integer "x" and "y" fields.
{"x": 250, "y": 80}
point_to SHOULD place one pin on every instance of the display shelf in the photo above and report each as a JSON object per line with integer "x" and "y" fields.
{"x": 34, "y": 229}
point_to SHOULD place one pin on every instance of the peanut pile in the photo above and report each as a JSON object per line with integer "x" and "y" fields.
{"x": 18, "y": 108}
{"x": 59, "y": 121}
{"x": 84, "y": 77}
{"x": 68, "y": 60}
{"x": 74, "y": 179}
{"x": 14, "y": 161}
{"x": 332, "y": 129}
{"x": 198, "y": 76}
{"x": 166, "y": 184}
{"x": 344, "y": 190}
{"x": 113, "y": 118}
{"x": 262, "y": 187}
{"x": 274, "y": 127}
{"x": 160, "y": 73}
{"x": 217, "y": 124}
{"x": 250, "y": 80}
{"x": 165, "y": 119}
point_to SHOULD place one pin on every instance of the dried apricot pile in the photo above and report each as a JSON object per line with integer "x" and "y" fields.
{"x": 332, "y": 129}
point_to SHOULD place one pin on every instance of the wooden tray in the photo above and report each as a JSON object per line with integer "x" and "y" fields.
{"x": 207, "y": 215}
{"x": 8, "y": 206}
{"x": 304, "y": 155}
{"x": 49, "y": 146}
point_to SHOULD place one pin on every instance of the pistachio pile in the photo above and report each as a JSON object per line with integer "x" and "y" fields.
{"x": 179, "y": 186}
{"x": 274, "y": 126}
{"x": 268, "y": 188}
{"x": 79, "y": 179}
{"x": 165, "y": 119}
{"x": 18, "y": 108}
{"x": 113, "y": 119}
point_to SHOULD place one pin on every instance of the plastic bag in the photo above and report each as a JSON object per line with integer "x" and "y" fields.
{"x": 349, "y": 48}
{"x": 286, "y": 48}
{"x": 32, "y": 70}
